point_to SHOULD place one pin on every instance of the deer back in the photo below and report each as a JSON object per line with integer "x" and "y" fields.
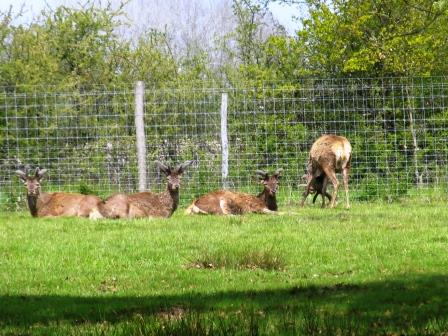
{"x": 115, "y": 206}
{"x": 66, "y": 204}
{"x": 226, "y": 202}
{"x": 148, "y": 204}
{"x": 209, "y": 203}
{"x": 332, "y": 151}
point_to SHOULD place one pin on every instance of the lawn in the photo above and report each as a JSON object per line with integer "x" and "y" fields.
{"x": 374, "y": 269}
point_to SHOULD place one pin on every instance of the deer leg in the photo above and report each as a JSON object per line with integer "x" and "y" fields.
{"x": 315, "y": 196}
{"x": 306, "y": 192}
{"x": 345, "y": 172}
{"x": 193, "y": 209}
{"x": 225, "y": 207}
{"x": 324, "y": 190}
{"x": 95, "y": 214}
{"x": 334, "y": 180}
{"x": 269, "y": 212}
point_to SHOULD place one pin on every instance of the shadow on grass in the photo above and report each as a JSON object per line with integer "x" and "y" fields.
{"x": 412, "y": 300}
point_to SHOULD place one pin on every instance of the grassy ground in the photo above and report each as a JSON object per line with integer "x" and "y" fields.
{"x": 375, "y": 269}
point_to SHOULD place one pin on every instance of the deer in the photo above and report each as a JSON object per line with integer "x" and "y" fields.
{"x": 226, "y": 202}
{"x": 316, "y": 188}
{"x": 329, "y": 154}
{"x": 57, "y": 204}
{"x": 147, "y": 204}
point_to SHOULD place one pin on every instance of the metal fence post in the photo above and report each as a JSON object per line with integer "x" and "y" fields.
{"x": 224, "y": 141}
{"x": 139, "y": 94}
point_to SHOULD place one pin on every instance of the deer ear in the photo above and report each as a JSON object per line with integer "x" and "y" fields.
{"x": 163, "y": 168}
{"x": 21, "y": 175}
{"x": 183, "y": 166}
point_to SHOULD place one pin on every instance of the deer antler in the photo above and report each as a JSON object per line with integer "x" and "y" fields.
{"x": 262, "y": 173}
{"x": 278, "y": 172}
{"x": 164, "y": 168}
{"x": 180, "y": 168}
{"x": 21, "y": 174}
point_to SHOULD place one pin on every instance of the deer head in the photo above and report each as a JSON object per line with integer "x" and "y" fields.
{"x": 173, "y": 174}
{"x": 270, "y": 182}
{"x": 32, "y": 183}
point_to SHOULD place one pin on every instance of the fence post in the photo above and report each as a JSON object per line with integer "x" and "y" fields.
{"x": 224, "y": 141}
{"x": 139, "y": 94}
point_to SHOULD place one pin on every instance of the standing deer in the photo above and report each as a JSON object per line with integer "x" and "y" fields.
{"x": 147, "y": 204}
{"x": 226, "y": 202}
{"x": 316, "y": 187}
{"x": 330, "y": 154}
{"x": 57, "y": 204}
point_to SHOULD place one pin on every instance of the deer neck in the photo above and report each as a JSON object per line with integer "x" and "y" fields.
{"x": 268, "y": 199}
{"x": 35, "y": 202}
{"x": 170, "y": 199}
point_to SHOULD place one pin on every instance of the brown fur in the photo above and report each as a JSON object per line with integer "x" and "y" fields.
{"x": 147, "y": 204}
{"x": 226, "y": 202}
{"x": 330, "y": 154}
{"x": 56, "y": 204}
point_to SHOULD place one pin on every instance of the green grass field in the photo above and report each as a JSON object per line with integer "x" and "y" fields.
{"x": 375, "y": 269}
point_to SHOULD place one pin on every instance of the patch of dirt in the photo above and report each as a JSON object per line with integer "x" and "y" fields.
{"x": 173, "y": 313}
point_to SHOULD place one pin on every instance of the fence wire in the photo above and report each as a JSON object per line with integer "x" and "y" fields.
{"x": 398, "y": 128}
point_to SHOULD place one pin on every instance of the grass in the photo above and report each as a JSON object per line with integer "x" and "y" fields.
{"x": 375, "y": 269}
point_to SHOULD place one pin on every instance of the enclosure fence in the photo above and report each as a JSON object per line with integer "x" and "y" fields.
{"x": 102, "y": 140}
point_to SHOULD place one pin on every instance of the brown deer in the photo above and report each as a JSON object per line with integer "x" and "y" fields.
{"x": 226, "y": 202}
{"x": 147, "y": 204}
{"x": 330, "y": 154}
{"x": 57, "y": 204}
{"x": 316, "y": 187}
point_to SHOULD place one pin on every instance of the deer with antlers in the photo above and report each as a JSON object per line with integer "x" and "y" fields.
{"x": 329, "y": 154}
{"x": 226, "y": 202}
{"x": 42, "y": 204}
{"x": 147, "y": 204}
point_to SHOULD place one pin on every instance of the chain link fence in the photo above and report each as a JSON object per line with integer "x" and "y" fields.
{"x": 86, "y": 138}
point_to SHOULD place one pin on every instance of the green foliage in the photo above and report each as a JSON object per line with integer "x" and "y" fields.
{"x": 365, "y": 38}
{"x": 86, "y": 189}
{"x": 65, "y": 47}
{"x": 392, "y": 187}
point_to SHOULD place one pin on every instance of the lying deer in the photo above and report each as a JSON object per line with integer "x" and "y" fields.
{"x": 57, "y": 204}
{"x": 226, "y": 202}
{"x": 316, "y": 187}
{"x": 147, "y": 204}
{"x": 330, "y": 154}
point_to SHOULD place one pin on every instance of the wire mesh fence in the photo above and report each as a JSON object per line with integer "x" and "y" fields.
{"x": 86, "y": 138}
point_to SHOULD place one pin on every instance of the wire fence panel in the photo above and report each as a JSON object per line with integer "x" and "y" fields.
{"x": 86, "y": 139}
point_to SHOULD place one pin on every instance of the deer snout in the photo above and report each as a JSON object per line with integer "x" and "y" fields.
{"x": 33, "y": 192}
{"x": 175, "y": 185}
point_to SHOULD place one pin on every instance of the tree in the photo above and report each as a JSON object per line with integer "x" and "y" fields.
{"x": 375, "y": 38}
